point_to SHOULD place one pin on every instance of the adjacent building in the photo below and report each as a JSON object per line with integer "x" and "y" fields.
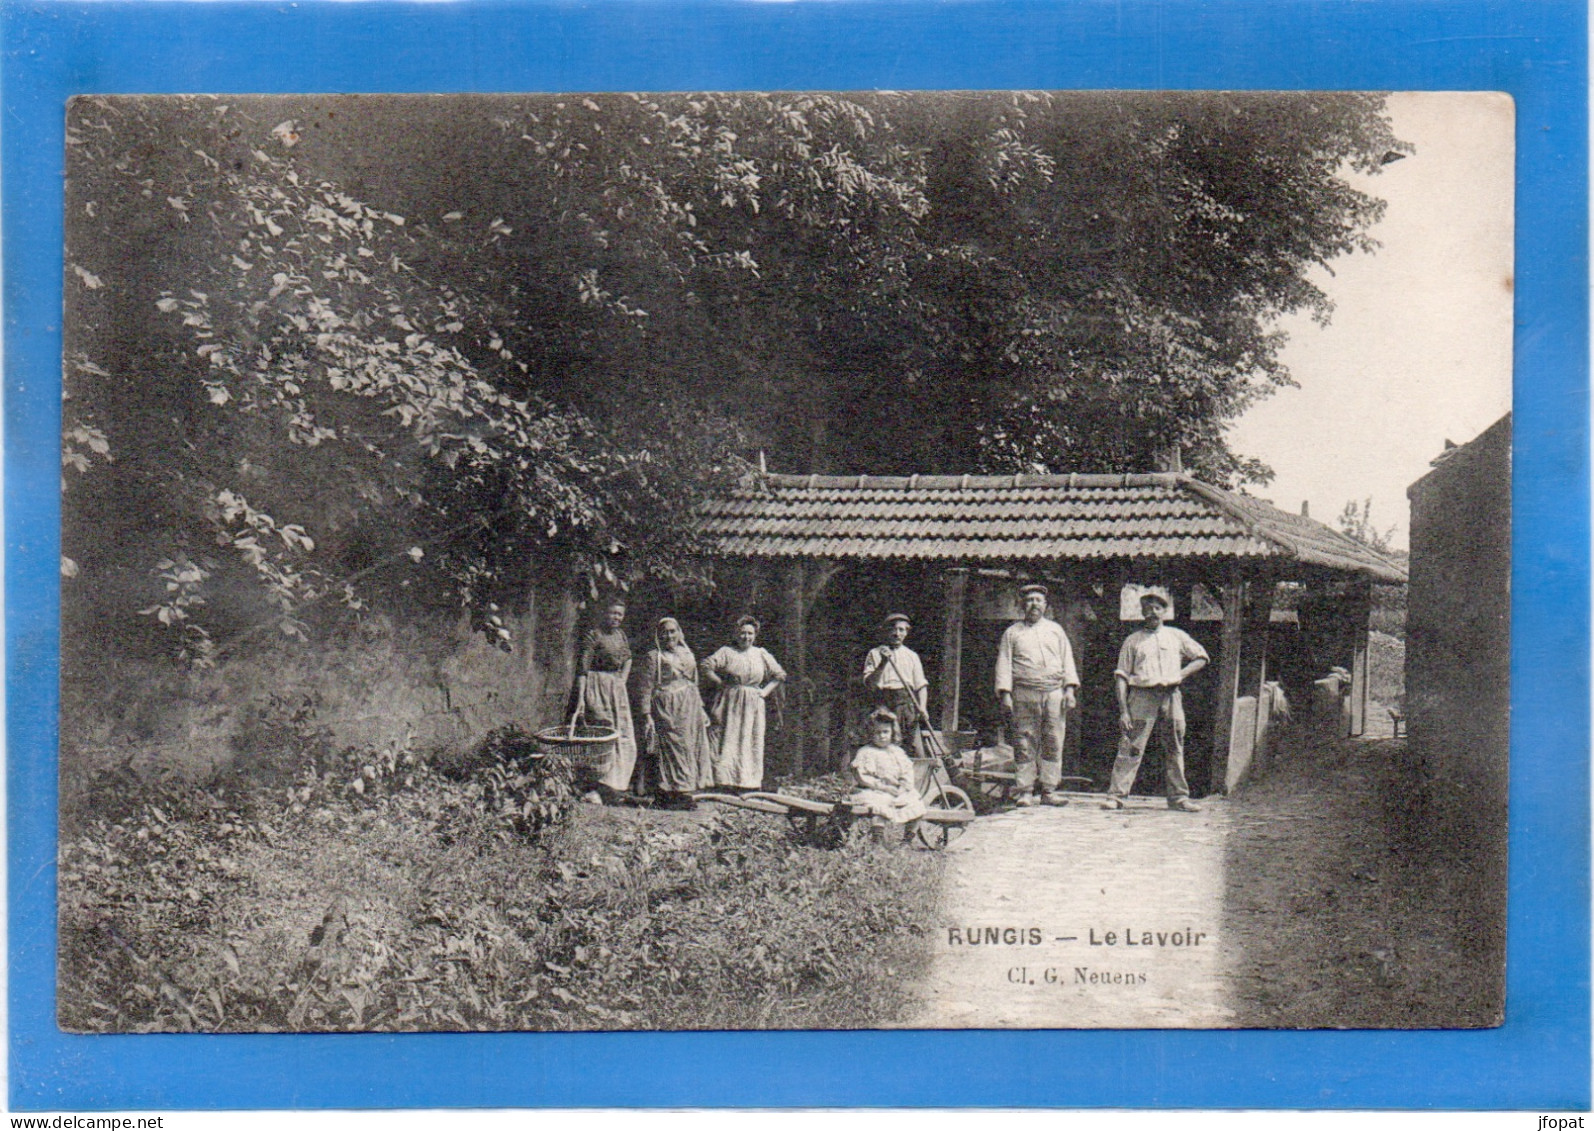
{"x": 1458, "y": 629}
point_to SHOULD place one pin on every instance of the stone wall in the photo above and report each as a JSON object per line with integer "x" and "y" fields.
{"x": 425, "y": 681}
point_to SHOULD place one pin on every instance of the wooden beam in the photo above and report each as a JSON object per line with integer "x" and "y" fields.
{"x": 957, "y": 587}
{"x": 794, "y": 616}
{"x": 1361, "y": 608}
{"x": 1232, "y": 594}
{"x": 823, "y": 571}
{"x": 1261, "y": 615}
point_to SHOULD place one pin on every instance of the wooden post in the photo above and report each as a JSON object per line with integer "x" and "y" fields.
{"x": 1261, "y": 608}
{"x": 751, "y": 590}
{"x": 1361, "y": 608}
{"x": 1073, "y": 612}
{"x": 1227, "y": 689}
{"x": 794, "y": 614}
{"x": 1244, "y": 734}
{"x": 957, "y": 587}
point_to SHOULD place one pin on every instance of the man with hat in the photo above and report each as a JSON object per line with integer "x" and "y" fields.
{"x": 1154, "y": 661}
{"x": 894, "y": 676}
{"x": 1036, "y": 682}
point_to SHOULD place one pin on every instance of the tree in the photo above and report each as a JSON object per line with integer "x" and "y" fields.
{"x": 897, "y": 282}
{"x": 1356, "y": 521}
{"x": 483, "y": 325}
{"x": 291, "y": 406}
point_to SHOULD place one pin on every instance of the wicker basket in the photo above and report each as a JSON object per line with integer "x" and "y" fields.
{"x": 585, "y": 746}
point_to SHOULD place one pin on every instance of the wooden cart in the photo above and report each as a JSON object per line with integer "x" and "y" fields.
{"x": 820, "y": 822}
{"x": 992, "y": 779}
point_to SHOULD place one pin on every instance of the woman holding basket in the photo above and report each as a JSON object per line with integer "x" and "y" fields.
{"x": 602, "y": 674}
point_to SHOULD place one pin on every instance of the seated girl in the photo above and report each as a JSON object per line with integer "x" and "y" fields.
{"x": 885, "y": 779}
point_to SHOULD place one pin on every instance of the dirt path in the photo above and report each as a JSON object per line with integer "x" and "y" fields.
{"x": 1322, "y": 895}
{"x": 1088, "y": 885}
{"x": 1351, "y": 904}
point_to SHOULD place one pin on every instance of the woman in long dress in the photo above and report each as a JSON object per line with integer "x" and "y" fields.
{"x": 604, "y": 670}
{"x": 745, "y": 675}
{"x": 676, "y": 726}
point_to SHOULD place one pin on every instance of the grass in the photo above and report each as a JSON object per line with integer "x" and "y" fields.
{"x": 389, "y": 896}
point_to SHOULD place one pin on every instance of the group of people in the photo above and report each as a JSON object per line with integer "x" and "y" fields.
{"x": 690, "y": 747}
{"x": 1037, "y": 682}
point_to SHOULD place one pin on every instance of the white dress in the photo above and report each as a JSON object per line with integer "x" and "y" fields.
{"x": 885, "y": 784}
{"x": 738, "y": 714}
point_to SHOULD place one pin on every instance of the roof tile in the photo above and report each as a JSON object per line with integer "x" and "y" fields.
{"x": 1019, "y": 518}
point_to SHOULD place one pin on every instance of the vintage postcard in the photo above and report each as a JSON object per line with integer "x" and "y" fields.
{"x": 785, "y": 560}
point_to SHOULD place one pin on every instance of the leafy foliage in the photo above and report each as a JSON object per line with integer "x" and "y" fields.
{"x": 1356, "y": 521}
{"x": 337, "y": 346}
{"x": 299, "y": 374}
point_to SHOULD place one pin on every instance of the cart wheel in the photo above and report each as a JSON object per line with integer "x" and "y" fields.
{"x": 937, "y": 837}
{"x": 994, "y": 793}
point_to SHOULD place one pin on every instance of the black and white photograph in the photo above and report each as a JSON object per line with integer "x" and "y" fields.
{"x": 785, "y": 560}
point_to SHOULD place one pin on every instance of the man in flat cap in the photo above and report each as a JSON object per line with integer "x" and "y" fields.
{"x": 894, "y": 677}
{"x": 1036, "y": 681}
{"x": 1154, "y": 661}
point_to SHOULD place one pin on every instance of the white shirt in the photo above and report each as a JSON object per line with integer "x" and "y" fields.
{"x": 903, "y": 670}
{"x": 1154, "y": 659}
{"x": 898, "y": 666}
{"x": 1036, "y": 656}
{"x": 885, "y": 768}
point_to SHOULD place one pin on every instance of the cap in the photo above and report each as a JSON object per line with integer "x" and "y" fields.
{"x": 897, "y": 617}
{"x": 1157, "y": 597}
{"x": 1026, "y": 590}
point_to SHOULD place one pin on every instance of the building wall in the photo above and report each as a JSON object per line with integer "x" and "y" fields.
{"x": 1458, "y": 656}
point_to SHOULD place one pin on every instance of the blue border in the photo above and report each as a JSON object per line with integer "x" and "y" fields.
{"x": 1534, "y": 50}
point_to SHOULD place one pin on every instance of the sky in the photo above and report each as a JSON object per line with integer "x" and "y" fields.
{"x": 1419, "y": 347}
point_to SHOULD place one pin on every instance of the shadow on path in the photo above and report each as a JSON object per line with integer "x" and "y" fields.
{"x": 1348, "y": 904}
{"x": 1317, "y": 897}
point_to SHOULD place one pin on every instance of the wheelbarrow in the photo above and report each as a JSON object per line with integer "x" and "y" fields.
{"x": 810, "y": 819}
{"x": 991, "y": 776}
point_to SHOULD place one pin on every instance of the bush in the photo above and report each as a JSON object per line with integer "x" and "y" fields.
{"x": 1389, "y": 610}
{"x": 381, "y": 894}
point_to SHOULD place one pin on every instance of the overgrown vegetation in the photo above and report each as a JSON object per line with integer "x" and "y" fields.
{"x": 376, "y": 892}
{"x": 1386, "y": 669}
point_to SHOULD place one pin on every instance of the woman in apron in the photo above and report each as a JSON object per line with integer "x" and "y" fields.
{"x": 745, "y": 675}
{"x": 604, "y": 670}
{"x": 676, "y": 727}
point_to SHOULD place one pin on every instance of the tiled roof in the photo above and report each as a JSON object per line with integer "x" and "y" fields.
{"x": 1015, "y": 518}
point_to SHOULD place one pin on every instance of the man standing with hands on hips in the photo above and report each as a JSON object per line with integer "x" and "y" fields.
{"x": 1154, "y": 661}
{"x": 1036, "y": 682}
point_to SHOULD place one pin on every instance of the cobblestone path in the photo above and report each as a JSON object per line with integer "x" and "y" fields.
{"x": 1126, "y": 908}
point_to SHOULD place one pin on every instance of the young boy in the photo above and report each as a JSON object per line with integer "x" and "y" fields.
{"x": 885, "y": 779}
